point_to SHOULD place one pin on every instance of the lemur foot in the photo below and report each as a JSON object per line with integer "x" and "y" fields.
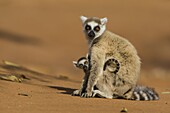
{"x": 87, "y": 95}
{"x": 101, "y": 94}
{"x": 76, "y": 93}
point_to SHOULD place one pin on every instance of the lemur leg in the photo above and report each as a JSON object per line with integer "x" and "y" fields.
{"x": 124, "y": 91}
{"x": 105, "y": 83}
{"x": 82, "y": 63}
{"x": 96, "y": 63}
{"x": 101, "y": 94}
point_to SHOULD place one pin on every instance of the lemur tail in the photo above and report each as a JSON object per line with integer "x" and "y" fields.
{"x": 145, "y": 93}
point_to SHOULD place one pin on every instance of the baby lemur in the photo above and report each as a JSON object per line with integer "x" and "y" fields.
{"x": 112, "y": 66}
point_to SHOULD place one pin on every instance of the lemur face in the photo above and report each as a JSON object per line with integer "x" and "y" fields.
{"x": 93, "y": 27}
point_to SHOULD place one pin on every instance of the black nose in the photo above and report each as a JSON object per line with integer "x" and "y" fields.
{"x": 91, "y": 34}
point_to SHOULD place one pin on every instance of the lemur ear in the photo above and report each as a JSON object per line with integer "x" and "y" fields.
{"x": 103, "y": 20}
{"x": 83, "y": 18}
{"x": 75, "y": 63}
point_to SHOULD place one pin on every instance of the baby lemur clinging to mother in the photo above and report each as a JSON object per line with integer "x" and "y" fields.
{"x": 112, "y": 66}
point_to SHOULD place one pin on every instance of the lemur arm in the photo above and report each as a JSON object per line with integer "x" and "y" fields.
{"x": 95, "y": 70}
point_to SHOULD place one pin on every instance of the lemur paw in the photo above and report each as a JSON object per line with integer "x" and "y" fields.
{"x": 87, "y": 95}
{"x": 76, "y": 93}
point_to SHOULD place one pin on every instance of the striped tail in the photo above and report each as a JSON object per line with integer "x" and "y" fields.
{"x": 145, "y": 93}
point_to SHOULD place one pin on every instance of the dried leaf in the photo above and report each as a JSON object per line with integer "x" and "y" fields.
{"x": 23, "y": 94}
{"x": 10, "y": 63}
{"x": 166, "y": 92}
{"x": 11, "y": 78}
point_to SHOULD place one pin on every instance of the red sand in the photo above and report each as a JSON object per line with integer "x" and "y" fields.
{"x": 46, "y": 36}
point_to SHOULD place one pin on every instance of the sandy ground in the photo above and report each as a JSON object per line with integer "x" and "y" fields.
{"x": 46, "y": 36}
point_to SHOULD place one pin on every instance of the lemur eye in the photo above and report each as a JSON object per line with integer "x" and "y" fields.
{"x": 87, "y": 27}
{"x": 97, "y": 29}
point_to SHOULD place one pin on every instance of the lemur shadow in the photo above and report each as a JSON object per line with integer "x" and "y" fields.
{"x": 66, "y": 90}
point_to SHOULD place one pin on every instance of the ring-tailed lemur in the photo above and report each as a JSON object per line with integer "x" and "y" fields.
{"x": 112, "y": 67}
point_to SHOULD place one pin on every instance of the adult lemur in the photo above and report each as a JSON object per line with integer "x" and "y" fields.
{"x": 112, "y": 66}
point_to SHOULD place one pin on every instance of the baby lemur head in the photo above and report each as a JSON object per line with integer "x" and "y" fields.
{"x": 93, "y": 27}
